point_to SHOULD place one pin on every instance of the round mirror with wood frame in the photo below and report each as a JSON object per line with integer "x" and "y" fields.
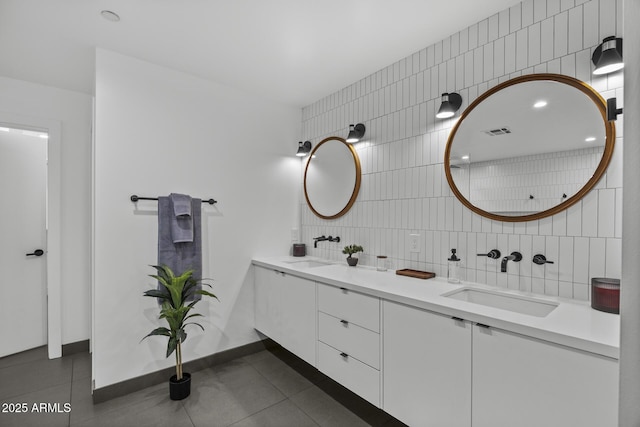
{"x": 529, "y": 148}
{"x": 332, "y": 178}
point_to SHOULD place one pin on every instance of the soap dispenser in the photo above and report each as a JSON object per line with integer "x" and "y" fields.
{"x": 453, "y": 271}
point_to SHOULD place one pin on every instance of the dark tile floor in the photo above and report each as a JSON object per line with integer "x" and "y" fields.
{"x": 268, "y": 388}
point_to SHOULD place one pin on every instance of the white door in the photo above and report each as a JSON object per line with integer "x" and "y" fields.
{"x": 23, "y": 288}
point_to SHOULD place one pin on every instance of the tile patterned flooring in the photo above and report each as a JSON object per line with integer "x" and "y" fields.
{"x": 268, "y": 388}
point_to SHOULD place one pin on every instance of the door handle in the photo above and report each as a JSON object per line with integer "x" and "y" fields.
{"x": 37, "y": 252}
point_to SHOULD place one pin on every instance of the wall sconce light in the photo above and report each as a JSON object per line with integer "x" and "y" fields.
{"x": 355, "y": 133}
{"x": 608, "y": 56}
{"x": 612, "y": 109}
{"x": 303, "y": 148}
{"x": 451, "y": 103}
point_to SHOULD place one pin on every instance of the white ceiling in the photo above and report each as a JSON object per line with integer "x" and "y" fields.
{"x": 291, "y": 51}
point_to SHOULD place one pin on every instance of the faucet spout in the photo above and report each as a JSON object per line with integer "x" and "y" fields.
{"x": 319, "y": 239}
{"x": 515, "y": 257}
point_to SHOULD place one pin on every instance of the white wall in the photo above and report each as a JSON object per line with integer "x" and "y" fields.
{"x": 73, "y": 111}
{"x": 404, "y": 189}
{"x": 160, "y": 131}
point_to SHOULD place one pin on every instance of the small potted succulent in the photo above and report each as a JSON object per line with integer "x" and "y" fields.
{"x": 350, "y": 250}
{"x": 174, "y": 293}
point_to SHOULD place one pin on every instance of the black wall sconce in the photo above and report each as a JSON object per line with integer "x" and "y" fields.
{"x": 355, "y": 133}
{"x": 612, "y": 109}
{"x": 451, "y": 103}
{"x": 608, "y": 56}
{"x": 303, "y": 148}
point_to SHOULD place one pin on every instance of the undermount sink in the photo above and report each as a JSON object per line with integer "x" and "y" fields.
{"x": 308, "y": 263}
{"x": 515, "y": 303}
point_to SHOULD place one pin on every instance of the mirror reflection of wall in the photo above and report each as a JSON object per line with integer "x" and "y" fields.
{"x": 528, "y": 184}
{"x": 529, "y": 147}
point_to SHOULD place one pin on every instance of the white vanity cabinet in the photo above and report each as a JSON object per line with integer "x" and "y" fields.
{"x": 522, "y": 381}
{"x": 285, "y": 311}
{"x": 427, "y": 367}
{"x": 399, "y": 351}
{"x": 349, "y": 340}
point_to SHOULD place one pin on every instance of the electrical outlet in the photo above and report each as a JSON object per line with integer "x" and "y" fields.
{"x": 294, "y": 235}
{"x": 414, "y": 243}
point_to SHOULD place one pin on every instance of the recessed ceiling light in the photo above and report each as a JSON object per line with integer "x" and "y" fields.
{"x": 590, "y": 139}
{"x": 465, "y": 157}
{"x": 540, "y": 104}
{"x": 110, "y": 16}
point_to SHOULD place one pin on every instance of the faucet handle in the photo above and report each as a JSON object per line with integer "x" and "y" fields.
{"x": 541, "y": 259}
{"x": 493, "y": 254}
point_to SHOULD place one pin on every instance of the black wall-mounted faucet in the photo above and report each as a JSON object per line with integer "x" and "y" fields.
{"x": 515, "y": 257}
{"x": 323, "y": 238}
{"x": 318, "y": 239}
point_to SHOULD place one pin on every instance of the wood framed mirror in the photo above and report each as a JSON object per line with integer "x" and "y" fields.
{"x": 332, "y": 178}
{"x": 529, "y": 148}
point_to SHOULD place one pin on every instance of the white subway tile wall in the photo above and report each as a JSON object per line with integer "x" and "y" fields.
{"x": 404, "y": 189}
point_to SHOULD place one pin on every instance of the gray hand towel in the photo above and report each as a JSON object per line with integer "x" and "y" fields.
{"x": 180, "y": 256}
{"x": 182, "y": 223}
{"x": 181, "y": 204}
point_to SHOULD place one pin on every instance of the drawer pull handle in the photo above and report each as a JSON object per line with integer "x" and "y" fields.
{"x": 458, "y": 319}
{"x": 344, "y": 322}
{"x": 345, "y": 290}
{"x": 345, "y": 355}
{"x": 482, "y": 325}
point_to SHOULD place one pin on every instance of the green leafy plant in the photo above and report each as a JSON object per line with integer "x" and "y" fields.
{"x": 352, "y": 249}
{"x": 174, "y": 293}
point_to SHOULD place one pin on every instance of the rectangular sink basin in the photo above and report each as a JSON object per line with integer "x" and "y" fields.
{"x": 308, "y": 263}
{"x": 515, "y": 303}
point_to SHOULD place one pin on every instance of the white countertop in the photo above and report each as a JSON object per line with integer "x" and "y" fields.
{"x": 573, "y": 323}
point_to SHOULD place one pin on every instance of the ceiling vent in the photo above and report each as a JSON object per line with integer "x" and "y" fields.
{"x": 499, "y": 131}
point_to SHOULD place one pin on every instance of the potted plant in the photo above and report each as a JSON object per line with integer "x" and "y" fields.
{"x": 173, "y": 294}
{"x": 350, "y": 250}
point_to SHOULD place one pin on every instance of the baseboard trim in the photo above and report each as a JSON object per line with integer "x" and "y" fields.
{"x": 75, "y": 347}
{"x": 134, "y": 384}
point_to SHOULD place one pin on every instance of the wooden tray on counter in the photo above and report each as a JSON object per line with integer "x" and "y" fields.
{"x": 418, "y": 274}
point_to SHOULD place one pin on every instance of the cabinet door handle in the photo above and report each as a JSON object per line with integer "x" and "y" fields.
{"x": 458, "y": 319}
{"x": 482, "y": 325}
{"x": 345, "y": 355}
{"x": 345, "y": 322}
{"x": 345, "y": 290}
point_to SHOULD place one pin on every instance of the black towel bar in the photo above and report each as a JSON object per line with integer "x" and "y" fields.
{"x": 135, "y": 198}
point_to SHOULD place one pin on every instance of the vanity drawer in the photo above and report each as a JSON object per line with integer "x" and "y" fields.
{"x": 350, "y": 338}
{"x": 351, "y": 306}
{"x": 358, "y": 377}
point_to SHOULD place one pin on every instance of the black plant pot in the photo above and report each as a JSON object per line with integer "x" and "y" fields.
{"x": 352, "y": 261}
{"x": 178, "y": 390}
